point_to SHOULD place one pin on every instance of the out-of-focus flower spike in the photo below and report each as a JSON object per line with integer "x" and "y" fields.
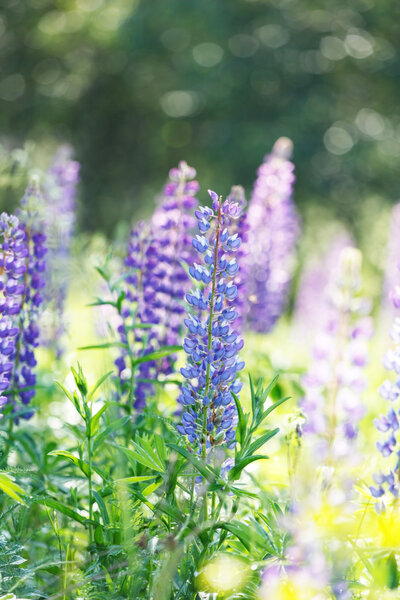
{"x": 60, "y": 191}
{"x": 387, "y": 483}
{"x": 273, "y": 229}
{"x": 159, "y": 255}
{"x": 335, "y": 382}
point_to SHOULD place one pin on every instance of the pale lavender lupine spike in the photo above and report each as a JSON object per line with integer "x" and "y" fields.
{"x": 335, "y": 381}
{"x": 273, "y": 230}
{"x": 60, "y": 192}
{"x": 312, "y": 301}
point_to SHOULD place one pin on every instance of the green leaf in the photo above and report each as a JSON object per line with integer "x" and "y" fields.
{"x": 241, "y": 429}
{"x": 151, "y": 488}
{"x": 253, "y": 395}
{"x": 143, "y": 446}
{"x": 98, "y": 440}
{"x": 81, "y": 464}
{"x": 100, "y": 302}
{"x": 12, "y": 489}
{"x": 98, "y": 384}
{"x": 237, "y": 469}
{"x": 135, "y": 479}
{"x": 263, "y": 439}
{"x": 273, "y": 406}
{"x": 246, "y": 534}
{"x": 66, "y": 392}
{"x": 104, "y": 346}
{"x": 102, "y": 507}
{"x": 102, "y": 274}
{"x": 142, "y": 458}
{"x": 160, "y": 447}
{"x": 66, "y": 510}
{"x": 160, "y": 353}
{"x": 94, "y": 423}
{"x": 204, "y": 470}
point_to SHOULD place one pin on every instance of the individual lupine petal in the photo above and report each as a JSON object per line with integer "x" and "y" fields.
{"x": 212, "y": 367}
{"x": 273, "y": 229}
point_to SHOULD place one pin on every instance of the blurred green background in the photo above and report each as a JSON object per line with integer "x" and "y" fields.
{"x": 137, "y": 85}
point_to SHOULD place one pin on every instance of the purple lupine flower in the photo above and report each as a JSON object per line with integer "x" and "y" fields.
{"x": 312, "y": 295}
{"x": 335, "y": 382}
{"x": 388, "y": 425}
{"x": 12, "y": 273}
{"x": 172, "y": 227}
{"x": 60, "y": 191}
{"x": 212, "y": 344}
{"x": 273, "y": 231}
{"x": 158, "y": 256}
{"x": 138, "y": 309}
{"x": 23, "y": 264}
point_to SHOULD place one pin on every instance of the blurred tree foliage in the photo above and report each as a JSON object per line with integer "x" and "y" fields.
{"x": 136, "y": 86}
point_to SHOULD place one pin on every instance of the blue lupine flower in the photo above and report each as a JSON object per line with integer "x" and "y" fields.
{"x": 212, "y": 345}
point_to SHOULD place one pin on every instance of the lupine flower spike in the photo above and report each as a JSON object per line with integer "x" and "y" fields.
{"x": 22, "y": 263}
{"x": 387, "y": 483}
{"x": 312, "y": 297}
{"x": 335, "y": 382}
{"x": 157, "y": 255}
{"x": 212, "y": 345}
{"x": 60, "y": 190}
{"x": 273, "y": 231}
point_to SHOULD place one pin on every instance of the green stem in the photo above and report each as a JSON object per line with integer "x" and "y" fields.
{"x": 89, "y": 446}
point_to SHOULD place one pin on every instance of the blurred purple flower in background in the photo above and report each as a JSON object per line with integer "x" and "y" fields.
{"x": 273, "y": 230}
{"x": 335, "y": 382}
{"x": 312, "y": 297}
{"x": 158, "y": 256}
{"x": 60, "y": 191}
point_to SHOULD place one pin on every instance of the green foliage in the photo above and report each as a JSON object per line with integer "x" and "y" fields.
{"x": 121, "y": 509}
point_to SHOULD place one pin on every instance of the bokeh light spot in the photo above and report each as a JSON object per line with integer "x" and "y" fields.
{"x": 179, "y": 103}
{"x": 208, "y": 54}
{"x": 338, "y": 140}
